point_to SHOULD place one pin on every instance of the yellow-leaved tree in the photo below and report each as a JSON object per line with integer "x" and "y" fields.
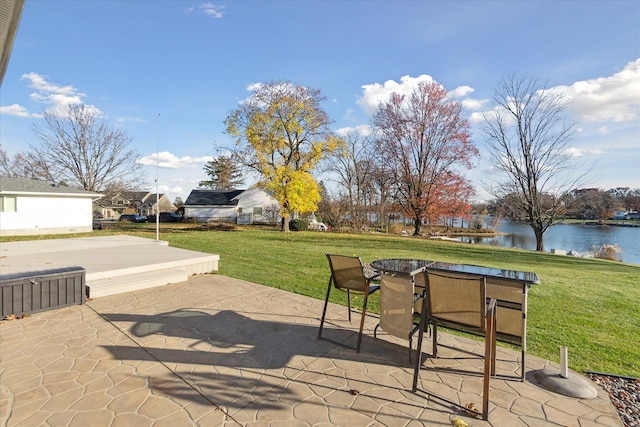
{"x": 282, "y": 132}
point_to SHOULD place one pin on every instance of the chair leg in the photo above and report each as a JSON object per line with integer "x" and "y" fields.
{"x": 349, "y": 304}
{"x": 435, "y": 340}
{"x": 423, "y": 324}
{"x": 493, "y": 351}
{"x": 324, "y": 311}
{"x": 364, "y": 313}
{"x": 489, "y": 356}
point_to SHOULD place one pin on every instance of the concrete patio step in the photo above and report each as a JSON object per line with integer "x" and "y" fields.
{"x": 133, "y": 282}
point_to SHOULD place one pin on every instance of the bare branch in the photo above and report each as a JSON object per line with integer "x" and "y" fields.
{"x": 527, "y": 137}
{"x": 81, "y": 149}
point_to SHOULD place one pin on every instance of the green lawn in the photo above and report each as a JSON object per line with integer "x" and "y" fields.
{"x": 591, "y": 306}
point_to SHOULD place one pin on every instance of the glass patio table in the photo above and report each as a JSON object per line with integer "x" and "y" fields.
{"x": 402, "y": 286}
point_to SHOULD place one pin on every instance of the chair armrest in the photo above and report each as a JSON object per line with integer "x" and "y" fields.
{"x": 370, "y": 273}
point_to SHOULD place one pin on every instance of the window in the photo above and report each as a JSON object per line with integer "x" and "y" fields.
{"x": 257, "y": 211}
{"x": 239, "y": 210}
{"x": 8, "y": 204}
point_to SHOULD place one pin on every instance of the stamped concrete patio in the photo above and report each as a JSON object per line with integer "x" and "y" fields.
{"x": 217, "y": 351}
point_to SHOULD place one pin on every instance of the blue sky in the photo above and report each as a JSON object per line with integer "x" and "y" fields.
{"x": 168, "y": 72}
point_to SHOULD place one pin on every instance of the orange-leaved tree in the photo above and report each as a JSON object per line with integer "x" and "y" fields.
{"x": 422, "y": 139}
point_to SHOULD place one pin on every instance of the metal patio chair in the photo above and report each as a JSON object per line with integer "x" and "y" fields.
{"x": 460, "y": 302}
{"x": 348, "y": 274}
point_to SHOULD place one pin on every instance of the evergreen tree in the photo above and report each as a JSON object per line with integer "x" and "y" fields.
{"x": 224, "y": 174}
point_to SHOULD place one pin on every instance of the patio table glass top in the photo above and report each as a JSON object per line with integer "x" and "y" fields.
{"x": 406, "y": 266}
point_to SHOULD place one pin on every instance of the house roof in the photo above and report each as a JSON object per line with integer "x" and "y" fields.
{"x": 143, "y": 198}
{"x": 133, "y": 196}
{"x": 10, "y": 11}
{"x": 213, "y": 197}
{"x": 10, "y": 185}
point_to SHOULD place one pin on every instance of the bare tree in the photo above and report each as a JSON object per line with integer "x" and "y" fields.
{"x": 22, "y": 165}
{"x": 353, "y": 166}
{"x": 422, "y": 139}
{"x": 332, "y": 208}
{"x": 82, "y": 150}
{"x": 527, "y": 136}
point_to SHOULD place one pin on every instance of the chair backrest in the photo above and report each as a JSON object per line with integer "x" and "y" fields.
{"x": 456, "y": 298}
{"x": 347, "y": 272}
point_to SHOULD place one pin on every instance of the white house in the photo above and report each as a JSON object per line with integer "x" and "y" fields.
{"x": 239, "y": 206}
{"x": 29, "y": 207}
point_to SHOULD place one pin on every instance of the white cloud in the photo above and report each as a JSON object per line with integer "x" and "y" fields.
{"x": 476, "y": 117}
{"x": 574, "y": 152}
{"x": 492, "y": 114}
{"x": 581, "y": 152}
{"x": 362, "y": 130}
{"x": 123, "y": 120}
{"x": 212, "y": 10}
{"x": 461, "y": 91}
{"x": 473, "y": 104}
{"x": 209, "y": 9}
{"x": 167, "y": 160}
{"x": 38, "y": 82}
{"x": 17, "y": 111}
{"x": 55, "y": 98}
{"x": 614, "y": 98}
{"x": 252, "y": 87}
{"x": 375, "y": 93}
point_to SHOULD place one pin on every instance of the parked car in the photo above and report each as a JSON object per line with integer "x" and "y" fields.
{"x": 132, "y": 218}
{"x": 165, "y": 217}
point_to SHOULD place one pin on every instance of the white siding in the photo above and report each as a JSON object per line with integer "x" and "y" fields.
{"x": 47, "y": 215}
{"x": 255, "y": 198}
{"x": 206, "y": 213}
{"x": 252, "y": 201}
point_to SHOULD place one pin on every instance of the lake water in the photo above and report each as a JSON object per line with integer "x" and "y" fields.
{"x": 569, "y": 237}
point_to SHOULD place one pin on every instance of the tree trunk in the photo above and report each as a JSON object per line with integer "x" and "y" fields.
{"x": 416, "y": 226}
{"x": 539, "y": 239}
{"x": 285, "y": 224}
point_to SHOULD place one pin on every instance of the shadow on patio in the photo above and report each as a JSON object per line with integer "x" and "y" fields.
{"x": 234, "y": 362}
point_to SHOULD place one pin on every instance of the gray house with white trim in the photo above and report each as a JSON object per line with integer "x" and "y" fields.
{"x": 237, "y": 206}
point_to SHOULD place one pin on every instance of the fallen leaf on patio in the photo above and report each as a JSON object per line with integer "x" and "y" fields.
{"x": 354, "y": 392}
{"x": 472, "y": 411}
{"x": 457, "y": 422}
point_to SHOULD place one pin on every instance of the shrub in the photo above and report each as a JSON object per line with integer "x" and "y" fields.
{"x": 298, "y": 225}
{"x": 610, "y": 252}
{"x": 476, "y": 223}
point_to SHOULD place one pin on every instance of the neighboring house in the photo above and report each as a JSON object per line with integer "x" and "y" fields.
{"x": 632, "y": 215}
{"x": 239, "y": 206}
{"x": 619, "y": 214}
{"x": 133, "y": 202}
{"x": 29, "y": 207}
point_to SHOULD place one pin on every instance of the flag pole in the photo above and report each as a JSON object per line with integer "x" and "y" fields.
{"x": 158, "y": 184}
